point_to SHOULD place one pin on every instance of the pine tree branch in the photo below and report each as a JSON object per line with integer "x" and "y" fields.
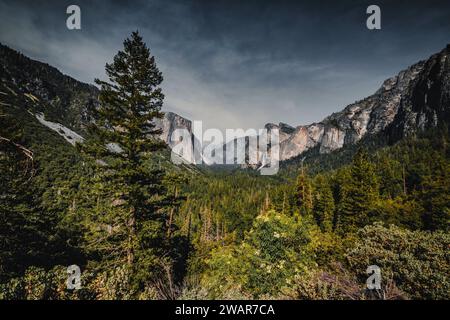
{"x": 27, "y": 152}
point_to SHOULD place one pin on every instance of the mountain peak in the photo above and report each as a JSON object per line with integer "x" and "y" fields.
{"x": 415, "y": 99}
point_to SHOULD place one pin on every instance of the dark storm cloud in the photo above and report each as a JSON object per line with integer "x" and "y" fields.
{"x": 239, "y": 63}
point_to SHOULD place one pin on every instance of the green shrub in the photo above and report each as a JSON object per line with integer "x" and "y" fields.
{"x": 276, "y": 248}
{"x": 418, "y": 261}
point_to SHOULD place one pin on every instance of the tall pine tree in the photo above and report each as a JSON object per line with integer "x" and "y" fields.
{"x": 123, "y": 138}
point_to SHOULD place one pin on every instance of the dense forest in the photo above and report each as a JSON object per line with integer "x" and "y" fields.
{"x": 140, "y": 227}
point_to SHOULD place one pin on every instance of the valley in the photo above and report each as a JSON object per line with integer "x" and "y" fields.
{"x": 368, "y": 185}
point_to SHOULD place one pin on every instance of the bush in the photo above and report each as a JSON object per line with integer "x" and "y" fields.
{"x": 418, "y": 261}
{"x": 113, "y": 285}
{"x": 276, "y": 248}
{"x": 38, "y": 284}
{"x": 339, "y": 285}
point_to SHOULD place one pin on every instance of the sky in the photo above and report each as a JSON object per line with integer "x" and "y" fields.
{"x": 238, "y": 64}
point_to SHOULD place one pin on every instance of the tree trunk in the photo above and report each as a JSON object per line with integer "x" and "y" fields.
{"x": 169, "y": 229}
{"x": 131, "y": 238}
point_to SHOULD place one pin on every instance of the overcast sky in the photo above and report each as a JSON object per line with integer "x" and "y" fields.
{"x": 238, "y": 64}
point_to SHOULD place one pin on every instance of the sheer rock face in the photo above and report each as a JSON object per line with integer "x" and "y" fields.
{"x": 417, "y": 98}
{"x": 285, "y": 130}
{"x": 169, "y": 123}
{"x": 427, "y": 101}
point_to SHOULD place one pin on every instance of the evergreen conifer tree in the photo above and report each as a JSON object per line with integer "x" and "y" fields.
{"x": 123, "y": 138}
{"x": 304, "y": 193}
{"x": 323, "y": 204}
{"x": 359, "y": 193}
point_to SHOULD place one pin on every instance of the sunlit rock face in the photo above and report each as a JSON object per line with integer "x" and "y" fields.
{"x": 284, "y": 130}
{"x": 169, "y": 123}
{"x": 416, "y": 99}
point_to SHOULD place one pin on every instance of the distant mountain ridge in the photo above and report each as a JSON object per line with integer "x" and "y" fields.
{"x": 416, "y": 99}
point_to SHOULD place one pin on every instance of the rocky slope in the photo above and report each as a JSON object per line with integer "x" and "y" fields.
{"x": 417, "y": 98}
{"x": 59, "y": 97}
{"x": 58, "y": 101}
